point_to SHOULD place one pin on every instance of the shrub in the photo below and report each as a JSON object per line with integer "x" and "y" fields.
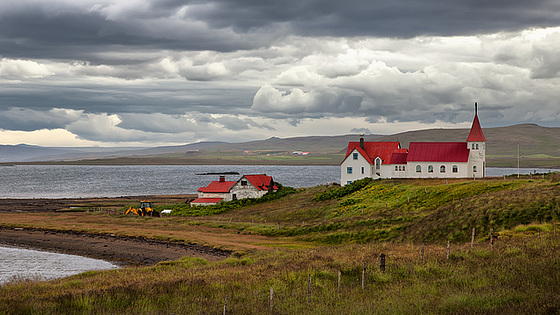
{"x": 340, "y": 192}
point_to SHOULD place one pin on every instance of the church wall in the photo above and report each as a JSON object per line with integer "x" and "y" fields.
{"x": 462, "y": 170}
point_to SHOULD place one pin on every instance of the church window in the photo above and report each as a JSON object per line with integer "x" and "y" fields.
{"x": 418, "y": 169}
{"x": 363, "y": 169}
{"x": 430, "y": 169}
{"x": 396, "y": 168}
{"x": 355, "y": 156}
{"x": 349, "y": 170}
{"x": 377, "y": 163}
{"x": 403, "y": 168}
{"x": 474, "y": 169}
{"x": 455, "y": 169}
{"x": 442, "y": 169}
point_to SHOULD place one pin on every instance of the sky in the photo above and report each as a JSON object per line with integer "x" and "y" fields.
{"x": 169, "y": 72}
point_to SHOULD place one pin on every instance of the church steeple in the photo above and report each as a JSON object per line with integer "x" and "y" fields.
{"x": 476, "y": 134}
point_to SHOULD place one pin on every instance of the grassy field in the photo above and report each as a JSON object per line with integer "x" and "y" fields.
{"x": 299, "y": 244}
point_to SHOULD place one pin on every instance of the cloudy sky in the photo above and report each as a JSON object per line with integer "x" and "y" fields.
{"x": 165, "y": 72}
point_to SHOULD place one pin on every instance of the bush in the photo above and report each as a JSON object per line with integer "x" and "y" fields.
{"x": 340, "y": 192}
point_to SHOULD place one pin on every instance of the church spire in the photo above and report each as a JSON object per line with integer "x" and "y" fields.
{"x": 476, "y": 131}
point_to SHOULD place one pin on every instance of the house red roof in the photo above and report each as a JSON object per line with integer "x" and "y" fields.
{"x": 399, "y": 158}
{"x": 371, "y": 150}
{"x": 207, "y": 200}
{"x": 217, "y": 187}
{"x": 438, "y": 152}
{"x": 476, "y": 131}
{"x": 261, "y": 181}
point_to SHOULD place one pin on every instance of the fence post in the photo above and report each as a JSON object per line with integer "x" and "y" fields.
{"x": 230, "y": 220}
{"x": 472, "y": 239}
{"x": 491, "y": 238}
{"x": 225, "y": 306}
{"x": 540, "y": 241}
{"x": 447, "y": 249}
{"x": 422, "y": 254}
{"x": 309, "y": 290}
{"x": 382, "y": 263}
{"x": 339, "y": 279}
{"x": 271, "y": 299}
{"x": 278, "y": 225}
{"x": 364, "y": 276}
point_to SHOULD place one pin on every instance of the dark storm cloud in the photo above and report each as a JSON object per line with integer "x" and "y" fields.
{"x": 78, "y": 31}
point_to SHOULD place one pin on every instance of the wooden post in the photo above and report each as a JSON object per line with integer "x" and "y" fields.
{"x": 309, "y": 290}
{"x": 382, "y": 263}
{"x": 218, "y": 220}
{"x": 362, "y": 211}
{"x": 472, "y": 239}
{"x": 278, "y": 225}
{"x": 230, "y": 220}
{"x": 426, "y": 191}
{"x": 491, "y": 238}
{"x": 540, "y": 241}
{"x": 422, "y": 254}
{"x": 408, "y": 198}
{"x": 447, "y": 249}
{"x": 265, "y": 223}
{"x": 554, "y": 227}
{"x": 415, "y": 194}
{"x": 364, "y": 276}
{"x": 446, "y": 183}
{"x": 271, "y": 299}
{"x": 339, "y": 279}
{"x": 397, "y": 202}
{"x": 225, "y": 306}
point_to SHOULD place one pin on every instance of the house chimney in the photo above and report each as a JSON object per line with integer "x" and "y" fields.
{"x": 362, "y": 141}
{"x": 222, "y": 178}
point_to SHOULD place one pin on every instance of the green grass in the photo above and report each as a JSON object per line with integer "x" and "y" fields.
{"x": 513, "y": 277}
{"x": 520, "y": 273}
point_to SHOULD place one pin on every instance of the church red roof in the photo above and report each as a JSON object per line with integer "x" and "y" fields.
{"x": 476, "y": 131}
{"x": 371, "y": 150}
{"x": 217, "y": 187}
{"x": 399, "y": 158}
{"x": 438, "y": 152}
{"x": 261, "y": 181}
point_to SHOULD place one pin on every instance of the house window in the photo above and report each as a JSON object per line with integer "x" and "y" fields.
{"x": 349, "y": 170}
{"x": 473, "y": 146}
{"x": 442, "y": 169}
{"x": 355, "y": 156}
{"x": 430, "y": 169}
{"x": 234, "y": 196}
{"x": 363, "y": 170}
{"x": 403, "y": 168}
{"x": 396, "y": 168}
{"x": 477, "y": 146}
{"x": 418, "y": 169}
{"x": 474, "y": 169}
{"x": 243, "y": 183}
{"x": 377, "y": 163}
{"x": 455, "y": 169}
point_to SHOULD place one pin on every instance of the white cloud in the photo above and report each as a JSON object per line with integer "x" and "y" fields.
{"x": 23, "y": 69}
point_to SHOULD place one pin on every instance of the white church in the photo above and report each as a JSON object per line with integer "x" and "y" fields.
{"x": 421, "y": 160}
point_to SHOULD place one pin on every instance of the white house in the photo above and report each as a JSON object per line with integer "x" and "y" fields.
{"x": 421, "y": 160}
{"x": 248, "y": 186}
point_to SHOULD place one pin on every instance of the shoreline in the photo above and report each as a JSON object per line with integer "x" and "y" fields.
{"x": 122, "y": 251}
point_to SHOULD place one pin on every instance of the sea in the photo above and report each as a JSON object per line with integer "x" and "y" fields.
{"x": 77, "y": 181}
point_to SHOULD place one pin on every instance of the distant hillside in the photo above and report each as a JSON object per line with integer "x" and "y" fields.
{"x": 539, "y": 147}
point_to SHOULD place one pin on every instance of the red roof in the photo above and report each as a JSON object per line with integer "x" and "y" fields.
{"x": 371, "y": 150}
{"x": 399, "y": 158}
{"x": 476, "y": 132}
{"x": 261, "y": 181}
{"x": 438, "y": 152}
{"x": 217, "y": 187}
{"x": 207, "y": 200}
